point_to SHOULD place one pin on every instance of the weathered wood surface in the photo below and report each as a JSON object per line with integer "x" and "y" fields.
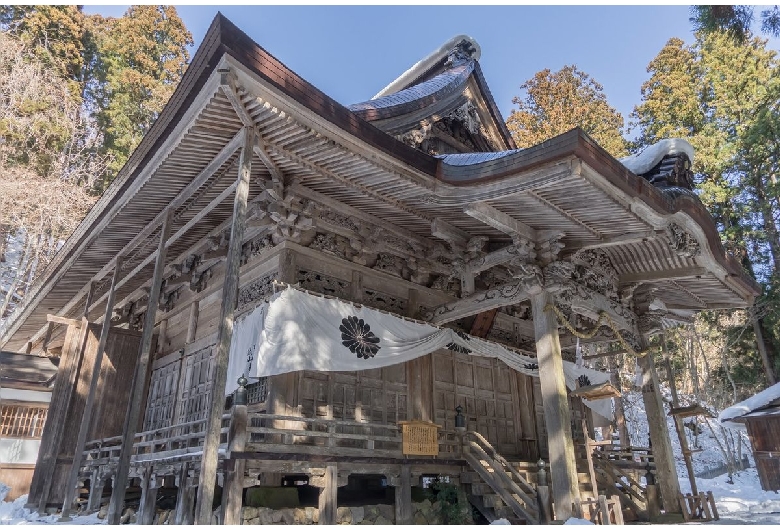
{"x": 137, "y": 394}
{"x": 208, "y": 471}
{"x": 87, "y": 414}
{"x": 328, "y": 496}
{"x": 556, "y": 407}
{"x": 666, "y": 472}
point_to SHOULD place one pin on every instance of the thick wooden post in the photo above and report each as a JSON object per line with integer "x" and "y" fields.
{"x": 233, "y": 490}
{"x": 96, "y": 485}
{"x": 666, "y": 472}
{"x": 139, "y": 380}
{"x": 86, "y": 418}
{"x": 678, "y": 423}
{"x": 328, "y": 505}
{"x": 148, "y": 505}
{"x": 64, "y": 386}
{"x": 184, "y": 497}
{"x": 403, "y": 496}
{"x": 557, "y": 416}
{"x": 208, "y": 468}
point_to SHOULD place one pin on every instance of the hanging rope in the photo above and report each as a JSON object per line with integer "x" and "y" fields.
{"x": 604, "y": 319}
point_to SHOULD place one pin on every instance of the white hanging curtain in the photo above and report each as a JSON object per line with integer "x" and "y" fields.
{"x": 296, "y": 331}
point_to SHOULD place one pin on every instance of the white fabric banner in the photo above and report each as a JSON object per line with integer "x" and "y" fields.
{"x": 300, "y": 331}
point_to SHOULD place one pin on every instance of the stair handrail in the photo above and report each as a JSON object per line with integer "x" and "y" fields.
{"x": 504, "y": 472}
{"x": 501, "y": 460}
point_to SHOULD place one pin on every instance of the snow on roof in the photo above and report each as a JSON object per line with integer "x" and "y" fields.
{"x": 646, "y": 159}
{"x": 760, "y": 400}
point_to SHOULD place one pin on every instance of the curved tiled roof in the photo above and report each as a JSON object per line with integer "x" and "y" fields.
{"x": 448, "y": 83}
{"x": 468, "y": 159}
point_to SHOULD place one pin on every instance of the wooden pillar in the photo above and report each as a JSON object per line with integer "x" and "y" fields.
{"x": 678, "y": 423}
{"x": 666, "y": 472}
{"x": 233, "y": 490}
{"x": 184, "y": 498}
{"x": 403, "y": 496}
{"x": 208, "y": 469}
{"x": 86, "y": 418}
{"x": 328, "y": 504}
{"x": 148, "y": 505}
{"x": 557, "y": 416}
{"x": 64, "y": 387}
{"x": 139, "y": 380}
{"x": 96, "y": 484}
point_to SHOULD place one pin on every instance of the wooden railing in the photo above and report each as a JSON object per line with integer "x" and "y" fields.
{"x": 501, "y": 476}
{"x": 157, "y": 444}
{"x": 274, "y": 433}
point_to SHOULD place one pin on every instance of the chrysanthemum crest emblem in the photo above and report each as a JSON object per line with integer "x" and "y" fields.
{"x": 358, "y": 337}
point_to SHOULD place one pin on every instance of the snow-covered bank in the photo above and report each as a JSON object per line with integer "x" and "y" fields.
{"x": 15, "y": 513}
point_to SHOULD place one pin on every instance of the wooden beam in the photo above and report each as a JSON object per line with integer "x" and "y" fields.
{"x": 451, "y": 234}
{"x": 657, "y": 276}
{"x": 137, "y": 394}
{"x": 565, "y": 484}
{"x": 108, "y": 206}
{"x": 205, "y": 174}
{"x": 62, "y": 320}
{"x": 507, "y": 294}
{"x": 208, "y": 469}
{"x": 86, "y": 418}
{"x": 489, "y": 215}
{"x": 179, "y": 233}
{"x": 227, "y": 82}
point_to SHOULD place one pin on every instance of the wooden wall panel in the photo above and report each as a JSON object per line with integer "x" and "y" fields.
{"x": 57, "y": 416}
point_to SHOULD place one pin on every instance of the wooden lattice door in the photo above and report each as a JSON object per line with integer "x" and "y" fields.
{"x": 163, "y": 390}
{"x": 196, "y": 388}
{"x": 486, "y": 389}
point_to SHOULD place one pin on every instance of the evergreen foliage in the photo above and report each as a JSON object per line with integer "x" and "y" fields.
{"x": 556, "y": 102}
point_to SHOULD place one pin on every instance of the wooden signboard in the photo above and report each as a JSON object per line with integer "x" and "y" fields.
{"x": 420, "y": 438}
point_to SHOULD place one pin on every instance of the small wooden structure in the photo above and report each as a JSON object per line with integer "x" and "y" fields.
{"x": 415, "y": 203}
{"x": 760, "y": 415}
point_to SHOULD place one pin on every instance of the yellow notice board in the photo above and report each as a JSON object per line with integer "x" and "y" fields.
{"x": 420, "y": 437}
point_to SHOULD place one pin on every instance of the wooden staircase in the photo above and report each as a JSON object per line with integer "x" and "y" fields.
{"x": 615, "y": 473}
{"x": 496, "y": 487}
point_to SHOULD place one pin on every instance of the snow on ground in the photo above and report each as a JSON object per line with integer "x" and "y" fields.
{"x": 15, "y": 513}
{"x": 743, "y": 502}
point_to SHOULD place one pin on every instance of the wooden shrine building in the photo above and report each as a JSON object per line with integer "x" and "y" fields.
{"x": 394, "y": 259}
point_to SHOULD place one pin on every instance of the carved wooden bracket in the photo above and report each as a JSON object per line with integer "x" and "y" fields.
{"x": 507, "y": 294}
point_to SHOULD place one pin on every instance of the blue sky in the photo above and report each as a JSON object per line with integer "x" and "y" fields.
{"x": 352, "y": 52}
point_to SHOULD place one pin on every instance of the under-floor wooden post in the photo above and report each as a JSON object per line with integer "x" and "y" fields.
{"x": 233, "y": 490}
{"x": 403, "y": 496}
{"x": 328, "y": 504}
{"x": 557, "y": 416}
{"x": 86, "y": 418}
{"x": 96, "y": 485}
{"x": 139, "y": 379}
{"x": 184, "y": 497}
{"x": 148, "y": 505}
{"x": 208, "y": 468}
{"x": 666, "y": 472}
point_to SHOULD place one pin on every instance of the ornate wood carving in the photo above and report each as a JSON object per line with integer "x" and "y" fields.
{"x": 682, "y": 241}
{"x": 257, "y": 290}
{"x": 508, "y": 294}
{"x": 322, "y": 283}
